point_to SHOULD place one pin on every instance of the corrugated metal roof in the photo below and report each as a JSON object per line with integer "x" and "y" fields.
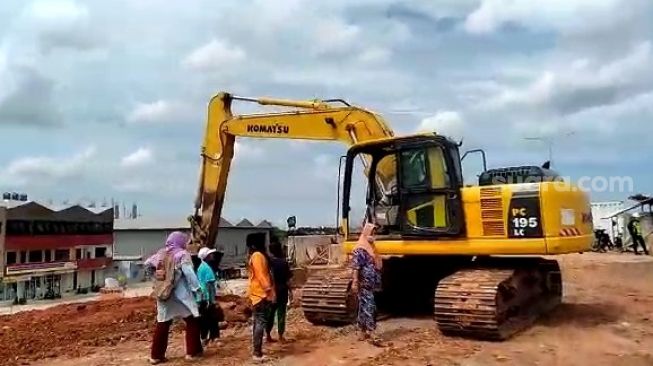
{"x": 32, "y": 210}
{"x": 265, "y": 224}
{"x": 160, "y": 223}
{"x": 245, "y": 223}
{"x": 639, "y": 204}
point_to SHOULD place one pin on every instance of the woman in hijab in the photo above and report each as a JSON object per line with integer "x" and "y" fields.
{"x": 366, "y": 263}
{"x": 181, "y": 303}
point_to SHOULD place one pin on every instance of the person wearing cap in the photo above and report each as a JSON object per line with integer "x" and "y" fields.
{"x": 209, "y": 327}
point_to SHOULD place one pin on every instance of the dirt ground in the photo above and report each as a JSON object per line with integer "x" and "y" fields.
{"x": 606, "y": 319}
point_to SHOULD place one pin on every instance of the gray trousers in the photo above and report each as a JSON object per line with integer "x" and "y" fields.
{"x": 260, "y": 317}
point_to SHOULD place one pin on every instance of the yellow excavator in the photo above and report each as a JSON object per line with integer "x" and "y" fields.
{"x": 471, "y": 255}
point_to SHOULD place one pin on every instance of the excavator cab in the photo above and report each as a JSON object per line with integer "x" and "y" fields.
{"x": 413, "y": 187}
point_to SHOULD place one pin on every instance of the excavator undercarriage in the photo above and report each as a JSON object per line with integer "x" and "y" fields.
{"x": 495, "y": 302}
{"x": 329, "y": 300}
{"x": 490, "y": 298}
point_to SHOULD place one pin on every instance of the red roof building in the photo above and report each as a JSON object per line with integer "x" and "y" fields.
{"x": 49, "y": 252}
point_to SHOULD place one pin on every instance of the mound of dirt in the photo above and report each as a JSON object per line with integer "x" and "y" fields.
{"x": 236, "y": 309}
{"x": 73, "y": 330}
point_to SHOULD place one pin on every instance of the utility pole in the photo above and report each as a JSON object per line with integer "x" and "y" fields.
{"x": 549, "y": 141}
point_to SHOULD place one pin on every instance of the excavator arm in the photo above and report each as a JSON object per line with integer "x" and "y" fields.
{"x": 328, "y": 120}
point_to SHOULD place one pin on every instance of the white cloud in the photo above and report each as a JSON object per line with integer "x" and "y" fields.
{"x": 132, "y": 186}
{"x": 406, "y": 59}
{"x": 374, "y": 54}
{"x": 247, "y": 151}
{"x": 26, "y": 97}
{"x": 566, "y": 16}
{"x": 304, "y": 145}
{"x": 214, "y": 56}
{"x": 442, "y": 8}
{"x": 46, "y": 170}
{"x": 142, "y": 156}
{"x": 160, "y": 111}
{"x": 62, "y": 24}
{"x": 333, "y": 35}
{"x": 446, "y": 123}
{"x": 325, "y": 167}
{"x": 61, "y": 12}
{"x": 584, "y": 84}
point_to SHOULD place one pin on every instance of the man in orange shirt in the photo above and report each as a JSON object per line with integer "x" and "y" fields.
{"x": 261, "y": 290}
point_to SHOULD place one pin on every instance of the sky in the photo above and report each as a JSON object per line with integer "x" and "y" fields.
{"x": 107, "y": 100}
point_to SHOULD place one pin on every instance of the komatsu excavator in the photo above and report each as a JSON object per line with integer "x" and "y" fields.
{"x": 471, "y": 254}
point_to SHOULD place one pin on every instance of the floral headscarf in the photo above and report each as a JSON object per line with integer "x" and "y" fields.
{"x": 365, "y": 241}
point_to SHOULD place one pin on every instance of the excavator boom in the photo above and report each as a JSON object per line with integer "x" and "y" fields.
{"x": 329, "y": 120}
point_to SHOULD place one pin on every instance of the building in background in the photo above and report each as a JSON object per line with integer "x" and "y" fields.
{"x": 602, "y": 219}
{"x": 50, "y": 252}
{"x": 136, "y": 239}
{"x": 643, "y": 209}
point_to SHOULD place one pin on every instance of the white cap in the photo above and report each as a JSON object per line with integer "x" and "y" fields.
{"x": 205, "y": 252}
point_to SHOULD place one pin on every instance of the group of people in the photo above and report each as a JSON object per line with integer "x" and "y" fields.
{"x": 185, "y": 288}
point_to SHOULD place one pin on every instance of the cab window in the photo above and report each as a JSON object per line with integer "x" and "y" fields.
{"x": 413, "y": 173}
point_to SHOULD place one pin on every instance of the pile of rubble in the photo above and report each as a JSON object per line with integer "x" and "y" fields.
{"x": 74, "y": 330}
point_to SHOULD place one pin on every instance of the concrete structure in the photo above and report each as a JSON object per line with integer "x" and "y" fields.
{"x": 49, "y": 252}
{"x": 306, "y": 250}
{"x": 643, "y": 209}
{"x": 143, "y": 236}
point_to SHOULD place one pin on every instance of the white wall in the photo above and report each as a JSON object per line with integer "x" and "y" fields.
{"x": 84, "y": 279}
{"x": 67, "y": 283}
{"x": 99, "y": 277}
{"x": 147, "y": 242}
{"x": 603, "y": 209}
{"x": 138, "y": 242}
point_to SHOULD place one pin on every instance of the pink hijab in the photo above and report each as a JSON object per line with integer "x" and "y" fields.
{"x": 175, "y": 245}
{"x": 365, "y": 241}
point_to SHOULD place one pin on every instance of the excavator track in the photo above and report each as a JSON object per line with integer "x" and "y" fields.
{"x": 329, "y": 300}
{"x": 496, "y": 302}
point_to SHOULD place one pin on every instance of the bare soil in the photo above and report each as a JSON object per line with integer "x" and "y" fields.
{"x": 606, "y": 319}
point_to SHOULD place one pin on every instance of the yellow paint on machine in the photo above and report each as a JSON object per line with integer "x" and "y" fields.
{"x": 486, "y": 214}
